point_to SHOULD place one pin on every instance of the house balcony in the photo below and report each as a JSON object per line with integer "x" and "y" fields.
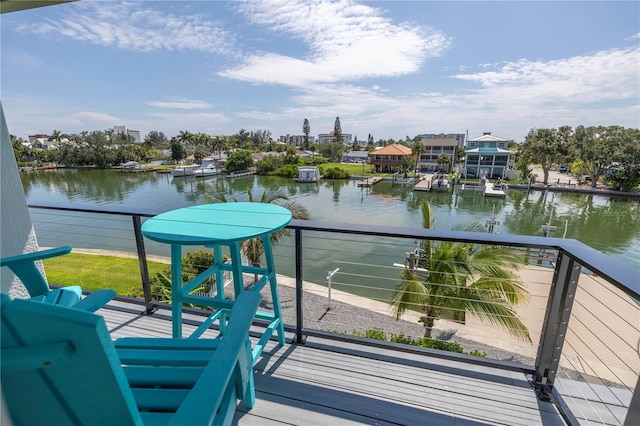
{"x": 581, "y": 366}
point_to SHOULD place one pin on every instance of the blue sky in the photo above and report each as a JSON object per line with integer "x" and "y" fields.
{"x": 386, "y": 68}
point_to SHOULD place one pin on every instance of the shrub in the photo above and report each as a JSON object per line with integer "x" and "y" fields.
{"x": 313, "y": 161}
{"x": 288, "y": 171}
{"x": 193, "y": 264}
{"x": 425, "y": 342}
{"x": 334, "y": 173}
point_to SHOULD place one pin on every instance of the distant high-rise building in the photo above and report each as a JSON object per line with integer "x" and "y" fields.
{"x": 330, "y": 137}
{"x": 295, "y": 140}
{"x": 122, "y": 130}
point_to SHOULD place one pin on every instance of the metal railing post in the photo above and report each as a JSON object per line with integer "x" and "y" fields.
{"x": 142, "y": 261}
{"x": 556, "y": 323}
{"x": 299, "y": 312}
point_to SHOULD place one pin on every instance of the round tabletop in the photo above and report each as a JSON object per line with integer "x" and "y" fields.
{"x": 218, "y": 223}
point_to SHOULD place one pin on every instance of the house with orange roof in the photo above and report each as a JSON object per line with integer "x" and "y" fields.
{"x": 389, "y": 158}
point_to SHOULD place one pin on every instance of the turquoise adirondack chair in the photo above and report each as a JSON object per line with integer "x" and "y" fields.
{"x": 59, "y": 366}
{"x": 24, "y": 266}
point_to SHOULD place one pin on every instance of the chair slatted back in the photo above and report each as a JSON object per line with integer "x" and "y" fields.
{"x": 59, "y": 363}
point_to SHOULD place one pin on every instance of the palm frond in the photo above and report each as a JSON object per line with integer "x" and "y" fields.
{"x": 497, "y": 315}
{"x": 409, "y": 293}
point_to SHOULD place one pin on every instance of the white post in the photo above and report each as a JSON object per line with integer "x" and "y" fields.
{"x": 329, "y": 275}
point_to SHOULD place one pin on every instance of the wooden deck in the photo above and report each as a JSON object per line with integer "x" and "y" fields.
{"x": 490, "y": 191}
{"x": 370, "y": 181}
{"x": 331, "y": 382}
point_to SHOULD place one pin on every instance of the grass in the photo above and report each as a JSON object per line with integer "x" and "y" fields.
{"x": 356, "y": 169}
{"x": 95, "y": 272}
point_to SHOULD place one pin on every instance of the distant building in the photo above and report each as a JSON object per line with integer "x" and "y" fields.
{"x": 389, "y": 158}
{"x": 331, "y": 137}
{"x": 459, "y": 137}
{"x": 355, "y": 157}
{"x": 434, "y": 147}
{"x": 486, "y": 156}
{"x": 295, "y": 140}
{"x": 39, "y": 142}
{"x": 122, "y": 130}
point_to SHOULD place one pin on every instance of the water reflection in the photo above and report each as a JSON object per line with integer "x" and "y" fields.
{"x": 608, "y": 224}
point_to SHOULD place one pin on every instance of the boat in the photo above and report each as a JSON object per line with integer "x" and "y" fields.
{"x": 186, "y": 170}
{"x": 440, "y": 184}
{"x": 206, "y": 170}
{"x": 130, "y": 165}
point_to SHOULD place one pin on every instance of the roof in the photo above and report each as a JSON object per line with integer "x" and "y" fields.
{"x": 488, "y": 137}
{"x": 439, "y": 142}
{"x": 394, "y": 149}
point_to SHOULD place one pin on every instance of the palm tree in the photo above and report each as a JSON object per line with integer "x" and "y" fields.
{"x": 444, "y": 161}
{"x": 463, "y": 277}
{"x": 417, "y": 150}
{"x": 186, "y": 138}
{"x": 253, "y": 249}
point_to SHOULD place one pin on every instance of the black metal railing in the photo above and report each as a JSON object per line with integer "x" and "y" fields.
{"x": 571, "y": 260}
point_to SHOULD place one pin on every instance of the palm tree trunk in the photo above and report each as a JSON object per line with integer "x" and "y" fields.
{"x": 428, "y": 320}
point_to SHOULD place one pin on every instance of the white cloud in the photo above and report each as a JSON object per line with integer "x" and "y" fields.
{"x": 190, "y": 118}
{"x": 261, "y": 115}
{"x": 598, "y": 89}
{"x": 605, "y": 75}
{"x": 96, "y": 118}
{"x": 347, "y": 41}
{"x": 130, "y": 26}
{"x": 180, "y": 103}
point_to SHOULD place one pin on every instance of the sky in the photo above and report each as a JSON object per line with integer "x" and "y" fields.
{"x": 387, "y": 68}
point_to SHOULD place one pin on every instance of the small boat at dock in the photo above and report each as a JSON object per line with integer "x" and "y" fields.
{"x": 186, "y": 170}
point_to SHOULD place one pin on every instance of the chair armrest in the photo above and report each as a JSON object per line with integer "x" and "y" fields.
{"x": 32, "y": 357}
{"x": 36, "y": 255}
{"x": 95, "y": 300}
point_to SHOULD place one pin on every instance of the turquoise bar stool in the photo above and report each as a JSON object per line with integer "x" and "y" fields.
{"x": 217, "y": 226}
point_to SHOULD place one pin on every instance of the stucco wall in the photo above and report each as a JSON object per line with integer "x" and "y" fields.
{"x": 16, "y": 231}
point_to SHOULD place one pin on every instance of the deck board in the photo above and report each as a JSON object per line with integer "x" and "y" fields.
{"x": 330, "y": 382}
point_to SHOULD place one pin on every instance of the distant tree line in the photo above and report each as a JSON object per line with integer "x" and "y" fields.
{"x": 611, "y": 153}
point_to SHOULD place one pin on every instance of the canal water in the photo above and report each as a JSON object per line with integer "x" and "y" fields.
{"x": 608, "y": 224}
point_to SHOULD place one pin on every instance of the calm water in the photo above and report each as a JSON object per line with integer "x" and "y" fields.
{"x": 608, "y": 224}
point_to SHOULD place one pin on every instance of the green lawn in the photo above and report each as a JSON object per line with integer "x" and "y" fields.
{"x": 356, "y": 169}
{"x": 95, "y": 272}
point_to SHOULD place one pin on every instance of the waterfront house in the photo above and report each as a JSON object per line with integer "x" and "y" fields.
{"x": 486, "y": 156}
{"x": 389, "y": 158}
{"x": 434, "y": 147}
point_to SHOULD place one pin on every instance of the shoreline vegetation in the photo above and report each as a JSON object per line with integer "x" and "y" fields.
{"x": 351, "y": 314}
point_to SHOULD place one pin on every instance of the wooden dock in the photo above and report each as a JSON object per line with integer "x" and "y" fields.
{"x": 137, "y": 170}
{"x": 369, "y": 181}
{"x": 423, "y": 184}
{"x": 242, "y": 173}
{"x": 490, "y": 191}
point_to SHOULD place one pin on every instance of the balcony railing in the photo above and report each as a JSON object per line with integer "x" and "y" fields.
{"x": 582, "y": 313}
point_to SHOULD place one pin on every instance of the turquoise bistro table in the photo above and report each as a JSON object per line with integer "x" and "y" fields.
{"x": 216, "y": 226}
